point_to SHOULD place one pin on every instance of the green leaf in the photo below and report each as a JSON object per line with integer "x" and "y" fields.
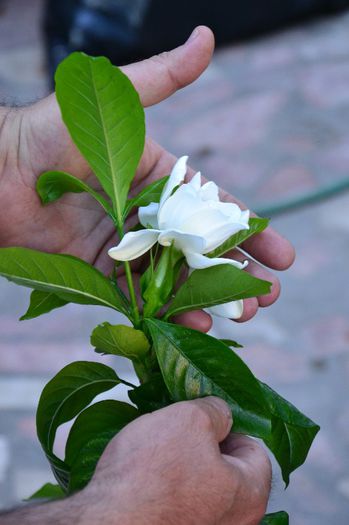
{"x": 194, "y": 365}
{"x": 48, "y": 491}
{"x": 151, "y": 396}
{"x": 150, "y": 193}
{"x": 69, "y": 392}
{"x": 158, "y": 286}
{"x": 120, "y": 340}
{"x": 292, "y": 433}
{"x": 105, "y": 119}
{"x": 90, "y": 434}
{"x": 277, "y": 518}
{"x": 51, "y": 185}
{"x": 42, "y": 303}
{"x": 70, "y": 278}
{"x": 230, "y": 342}
{"x": 256, "y": 225}
{"x": 216, "y": 285}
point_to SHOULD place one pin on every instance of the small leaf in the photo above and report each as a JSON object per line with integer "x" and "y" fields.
{"x": 69, "y": 392}
{"x": 256, "y": 225}
{"x": 42, "y": 303}
{"x": 48, "y": 491}
{"x": 230, "y": 342}
{"x": 216, "y": 285}
{"x": 51, "y": 185}
{"x": 90, "y": 434}
{"x": 70, "y": 278}
{"x": 151, "y": 396}
{"x": 150, "y": 193}
{"x": 277, "y": 518}
{"x": 120, "y": 340}
{"x": 292, "y": 433}
{"x": 105, "y": 119}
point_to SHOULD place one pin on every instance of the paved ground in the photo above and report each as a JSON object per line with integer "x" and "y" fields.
{"x": 269, "y": 120}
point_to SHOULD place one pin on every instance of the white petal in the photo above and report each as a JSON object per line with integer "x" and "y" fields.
{"x": 148, "y": 215}
{"x": 209, "y": 192}
{"x": 181, "y": 205}
{"x": 196, "y": 181}
{"x": 182, "y": 241}
{"x": 134, "y": 244}
{"x": 216, "y": 237}
{"x": 177, "y": 176}
{"x": 198, "y": 261}
{"x": 206, "y": 222}
{"x": 231, "y": 310}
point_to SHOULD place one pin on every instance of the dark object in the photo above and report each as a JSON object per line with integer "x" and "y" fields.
{"x": 126, "y": 30}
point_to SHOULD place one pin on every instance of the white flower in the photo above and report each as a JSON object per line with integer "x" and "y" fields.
{"x": 194, "y": 220}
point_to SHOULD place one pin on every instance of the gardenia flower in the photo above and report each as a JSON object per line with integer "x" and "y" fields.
{"x": 192, "y": 218}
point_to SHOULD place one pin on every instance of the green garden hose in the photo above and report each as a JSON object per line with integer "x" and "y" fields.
{"x": 278, "y": 208}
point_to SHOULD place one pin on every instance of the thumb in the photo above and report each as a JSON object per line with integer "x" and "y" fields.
{"x": 156, "y": 78}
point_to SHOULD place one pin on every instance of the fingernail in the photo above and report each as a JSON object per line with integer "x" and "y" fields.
{"x": 194, "y": 34}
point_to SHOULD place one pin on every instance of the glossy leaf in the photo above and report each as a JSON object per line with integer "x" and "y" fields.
{"x": 150, "y": 193}
{"x": 42, "y": 303}
{"x": 69, "y": 392}
{"x": 90, "y": 434}
{"x": 120, "y": 340}
{"x": 70, "y": 278}
{"x": 105, "y": 119}
{"x": 151, "y": 396}
{"x": 51, "y": 185}
{"x": 256, "y": 225}
{"x": 49, "y": 491}
{"x": 292, "y": 433}
{"x": 216, "y": 285}
{"x": 277, "y": 518}
{"x": 194, "y": 365}
{"x": 230, "y": 342}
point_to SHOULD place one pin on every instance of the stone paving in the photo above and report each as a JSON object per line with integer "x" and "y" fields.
{"x": 268, "y": 121}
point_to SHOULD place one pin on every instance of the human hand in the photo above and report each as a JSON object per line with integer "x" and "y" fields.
{"x": 168, "y": 467}
{"x": 34, "y": 140}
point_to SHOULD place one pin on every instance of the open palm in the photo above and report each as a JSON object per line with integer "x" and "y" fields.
{"x": 34, "y": 140}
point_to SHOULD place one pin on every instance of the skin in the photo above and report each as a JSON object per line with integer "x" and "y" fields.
{"x": 189, "y": 470}
{"x": 34, "y": 140}
{"x": 178, "y": 473}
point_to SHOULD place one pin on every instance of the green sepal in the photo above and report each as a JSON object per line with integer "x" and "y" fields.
{"x": 161, "y": 281}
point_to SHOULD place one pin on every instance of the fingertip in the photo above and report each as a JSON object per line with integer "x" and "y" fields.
{"x": 220, "y": 415}
{"x": 250, "y": 310}
{"x": 272, "y": 296}
{"x": 204, "y": 35}
{"x": 197, "y": 320}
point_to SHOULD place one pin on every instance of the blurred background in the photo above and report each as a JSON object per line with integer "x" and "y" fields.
{"x": 269, "y": 121}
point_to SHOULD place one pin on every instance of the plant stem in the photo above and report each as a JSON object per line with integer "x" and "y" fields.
{"x": 131, "y": 289}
